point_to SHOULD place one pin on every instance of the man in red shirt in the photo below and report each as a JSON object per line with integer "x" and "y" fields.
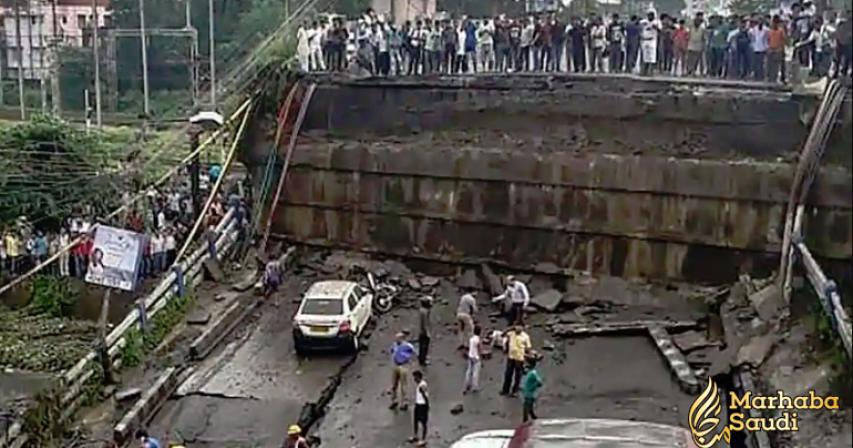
{"x": 776, "y": 40}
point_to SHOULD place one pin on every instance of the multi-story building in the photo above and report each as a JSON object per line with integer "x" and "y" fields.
{"x": 41, "y": 24}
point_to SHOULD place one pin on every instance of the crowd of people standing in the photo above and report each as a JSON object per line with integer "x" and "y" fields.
{"x": 165, "y": 216}
{"x": 750, "y": 46}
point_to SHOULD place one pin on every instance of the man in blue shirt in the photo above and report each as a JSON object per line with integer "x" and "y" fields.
{"x": 632, "y": 43}
{"x": 145, "y": 441}
{"x": 402, "y": 354}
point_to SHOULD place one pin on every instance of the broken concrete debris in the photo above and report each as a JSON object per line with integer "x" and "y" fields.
{"x": 767, "y": 302}
{"x": 691, "y": 340}
{"x": 468, "y": 280}
{"x": 677, "y": 363}
{"x": 491, "y": 280}
{"x": 548, "y": 300}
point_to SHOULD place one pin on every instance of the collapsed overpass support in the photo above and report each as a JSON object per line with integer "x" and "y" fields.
{"x": 612, "y": 175}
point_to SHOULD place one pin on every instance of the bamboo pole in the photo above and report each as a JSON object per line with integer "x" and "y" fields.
{"x": 217, "y": 185}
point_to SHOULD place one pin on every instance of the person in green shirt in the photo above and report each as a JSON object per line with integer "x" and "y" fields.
{"x": 718, "y": 44}
{"x": 530, "y": 386}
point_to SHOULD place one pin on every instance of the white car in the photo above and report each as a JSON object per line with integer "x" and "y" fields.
{"x": 332, "y": 315}
{"x": 581, "y": 433}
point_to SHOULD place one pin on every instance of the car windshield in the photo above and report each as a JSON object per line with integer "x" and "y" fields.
{"x": 323, "y": 307}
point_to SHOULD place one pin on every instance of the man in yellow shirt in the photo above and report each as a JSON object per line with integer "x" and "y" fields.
{"x": 13, "y": 251}
{"x": 517, "y": 346}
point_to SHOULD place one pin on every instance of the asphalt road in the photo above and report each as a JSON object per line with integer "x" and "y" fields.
{"x": 612, "y": 377}
{"x": 253, "y": 388}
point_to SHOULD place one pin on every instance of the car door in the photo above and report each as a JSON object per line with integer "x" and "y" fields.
{"x": 363, "y": 310}
{"x": 353, "y": 312}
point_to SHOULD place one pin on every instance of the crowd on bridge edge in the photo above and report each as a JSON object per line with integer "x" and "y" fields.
{"x": 165, "y": 216}
{"x": 755, "y": 46}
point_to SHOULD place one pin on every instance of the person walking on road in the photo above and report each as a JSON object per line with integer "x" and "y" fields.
{"x": 424, "y": 330}
{"x": 272, "y": 276}
{"x": 517, "y": 346}
{"x": 402, "y": 354}
{"x": 531, "y": 384}
{"x": 465, "y": 312}
{"x": 294, "y": 438}
{"x": 515, "y": 298}
{"x": 421, "y": 414}
{"x": 472, "y": 370}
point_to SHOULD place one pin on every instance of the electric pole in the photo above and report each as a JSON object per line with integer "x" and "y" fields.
{"x": 146, "y": 105}
{"x": 212, "y": 39}
{"x": 42, "y": 85}
{"x": 20, "y": 59}
{"x": 96, "y": 49}
{"x": 54, "y": 79}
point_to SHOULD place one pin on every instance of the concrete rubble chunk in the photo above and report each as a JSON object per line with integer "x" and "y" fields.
{"x": 457, "y": 409}
{"x": 213, "y": 270}
{"x": 767, "y": 302}
{"x": 491, "y": 280}
{"x": 756, "y": 350}
{"x": 547, "y": 268}
{"x": 414, "y": 283}
{"x": 198, "y": 317}
{"x": 468, "y": 280}
{"x": 691, "y": 340}
{"x": 429, "y": 281}
{"x": 548, "y": 300}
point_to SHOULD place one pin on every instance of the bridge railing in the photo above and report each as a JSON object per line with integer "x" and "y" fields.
{"x": 185, "y": 274}
{"x": 827, "y": 292}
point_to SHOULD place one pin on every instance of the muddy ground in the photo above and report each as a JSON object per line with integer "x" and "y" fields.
{"x": 248, "y": 392}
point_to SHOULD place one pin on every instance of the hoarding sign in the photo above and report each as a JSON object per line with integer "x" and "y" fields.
{"x": 115, "y": 258}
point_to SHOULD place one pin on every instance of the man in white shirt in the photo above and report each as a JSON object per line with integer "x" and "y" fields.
{"x": 157, "y": 246}
{"x": 315, "y": 48}
{"x": 465, "y": 317}
{"x": 516, "y": 297}
{"x": 472, "y": 369}
{"x": 486, "y": 45}
{"x": 171, "y": 245}
{"x": 649, "y": 30}
{"x": 759, "y": 36}
{"x": 302, "y": 46}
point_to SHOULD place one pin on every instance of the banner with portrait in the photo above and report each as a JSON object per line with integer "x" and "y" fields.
{"x": 115, "y": 258}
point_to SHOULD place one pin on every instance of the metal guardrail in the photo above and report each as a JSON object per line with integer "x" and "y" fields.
{"x": 827, "y": 291}
{"x": 76, "y": 377}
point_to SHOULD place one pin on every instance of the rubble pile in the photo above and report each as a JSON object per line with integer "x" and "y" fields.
{"x": 321, "y": 265}
{"x": 42, "y": 343}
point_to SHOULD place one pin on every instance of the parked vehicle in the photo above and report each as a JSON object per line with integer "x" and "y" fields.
{"x": 384, "y": 293}
{"x": 581, "y": 433}
{"x": 332, "y": 315}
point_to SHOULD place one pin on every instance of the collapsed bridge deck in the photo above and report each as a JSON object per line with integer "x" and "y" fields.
{"x": 610, "y": 175}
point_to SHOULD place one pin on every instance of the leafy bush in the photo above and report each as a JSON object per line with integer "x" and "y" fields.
{"x": 52, "y": 296}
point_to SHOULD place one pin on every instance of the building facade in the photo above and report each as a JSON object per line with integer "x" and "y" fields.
{"x": 32, "y": 27}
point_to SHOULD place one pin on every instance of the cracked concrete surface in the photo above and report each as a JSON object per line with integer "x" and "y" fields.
{"x": 248, "y": 392}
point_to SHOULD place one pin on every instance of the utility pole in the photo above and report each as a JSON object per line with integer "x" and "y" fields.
{"x": 20, "y": 59}
{"x": 212, "y": 39}
{"x": 146, "y": 105}
{"x": 96, "y": 49}
{"x": 54, "y": 79}
{"x": 42, "y": 85}
{"x": 195, "y": 170}
{"x": 30, "y": 65}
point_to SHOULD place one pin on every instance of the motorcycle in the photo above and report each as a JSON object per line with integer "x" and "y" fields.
{"x": 384, "y": 293}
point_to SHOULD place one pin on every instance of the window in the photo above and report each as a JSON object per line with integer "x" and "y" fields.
{"x": 352, "y": 300}
{"x": 81, "y": 21}
{"x": 64, "y": 20}
{"x": 323, "y": 307}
